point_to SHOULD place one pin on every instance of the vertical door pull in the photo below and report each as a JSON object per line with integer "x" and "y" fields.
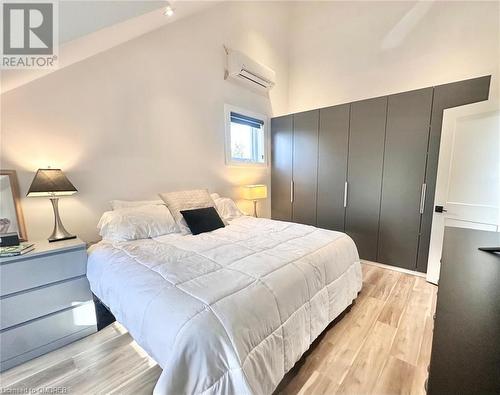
{"x": 345, "y": 194}
{"x": 422, "y": 198}
{"x": 291, "y": 191}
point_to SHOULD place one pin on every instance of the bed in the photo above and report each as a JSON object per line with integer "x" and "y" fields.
{"x": 229, "y": 311}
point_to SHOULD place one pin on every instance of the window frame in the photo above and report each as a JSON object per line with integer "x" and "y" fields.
{"x": 227, "y": 138}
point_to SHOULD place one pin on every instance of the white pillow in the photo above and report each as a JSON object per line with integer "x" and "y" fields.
{"x": 133, "y": 223}
{"x": 227, "y": 208}
{"x": 186, "y": 200}
{"x": 214, "y": 196}
{"x": 117, "y": 204}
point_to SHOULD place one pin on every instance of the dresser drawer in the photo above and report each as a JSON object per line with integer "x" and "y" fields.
{"x": 33, "y": 272}
{"x": 38, "y": 333}
{"x": 22, "y": 307}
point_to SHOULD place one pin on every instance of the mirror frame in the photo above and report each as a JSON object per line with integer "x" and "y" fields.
{"x": 14, "y": 186}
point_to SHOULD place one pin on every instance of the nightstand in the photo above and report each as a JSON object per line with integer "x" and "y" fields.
{"x": 45, "y": 301}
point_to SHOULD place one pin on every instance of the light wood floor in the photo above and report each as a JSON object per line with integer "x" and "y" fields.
{"x": 380, "y": 346}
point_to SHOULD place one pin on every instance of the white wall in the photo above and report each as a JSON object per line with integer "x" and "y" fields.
{"x": 341, "y": 51}
{"x": 474, "y": 177}
{"x": 143, "y": 117}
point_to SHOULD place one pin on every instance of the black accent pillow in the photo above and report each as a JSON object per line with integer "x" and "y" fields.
{"x": 202, "y": 220}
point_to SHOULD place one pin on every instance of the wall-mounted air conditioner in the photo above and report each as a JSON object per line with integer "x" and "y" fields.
{"x": 241, "y": 67}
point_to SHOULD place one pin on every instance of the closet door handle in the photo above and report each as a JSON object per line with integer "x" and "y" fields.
{"x": 422, "y": 198}
{"x": 345, "y": 194}
{"x": 291, "y": 191}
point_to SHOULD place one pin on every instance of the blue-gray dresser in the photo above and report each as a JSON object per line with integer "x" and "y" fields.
{"x": 45, "y": 301}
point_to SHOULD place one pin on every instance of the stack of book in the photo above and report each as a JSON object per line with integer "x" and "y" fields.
{"x": 20, "y": 249}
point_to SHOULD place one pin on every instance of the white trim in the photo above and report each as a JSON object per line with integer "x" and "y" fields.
{"x": 227, "y": 137}
{"x": 473, "y": 205}
{"x": 394, "y": 268}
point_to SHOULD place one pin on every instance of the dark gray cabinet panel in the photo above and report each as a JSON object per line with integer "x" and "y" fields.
{"x": 305, "y": 166}
{"x": 281, "y": 167}
{"x": 445, "y": 96}
{"x": 407, "y": 134}
{"x": 382, "y": 213}
{"x": 364, "y": 174}
{"x": 332, "y": 166}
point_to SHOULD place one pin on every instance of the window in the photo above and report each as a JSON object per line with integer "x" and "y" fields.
{"x": 245, "y": 138}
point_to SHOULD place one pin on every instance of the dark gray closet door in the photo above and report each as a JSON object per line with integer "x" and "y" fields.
{"x": 305, "y": 166}
{"x": 281, "y": 167}
{"x": 445, "y": 96}
{"x": 364, "y": 174}
{"x": 407, "y": 135}
{"x": 332, "y": 166}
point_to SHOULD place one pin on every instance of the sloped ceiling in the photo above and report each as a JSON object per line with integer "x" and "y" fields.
{"x": 87, "y": 28}
{"x": 79, "y": 18}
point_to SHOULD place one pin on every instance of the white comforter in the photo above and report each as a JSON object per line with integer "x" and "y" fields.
{"x": 230, "y": 311}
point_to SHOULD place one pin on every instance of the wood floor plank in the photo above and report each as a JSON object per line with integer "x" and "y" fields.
{"x": 353, "y": 315}
{"x": 306, "y": 367}
{"x": 420, "y": 375}
{"x": 409, "y": 336}
{"x": 366, "y": 270}
{"x": 373, "y": 274}
{"x": 109, "y": 370}
{"x": 396, "y": 378}
{"x": 385, "y": 284}
{"x": 366, "y": 368}
{"x": 96, "y": 355}
{"x": 36, "y": 365}
{"x": 318, "y": 384}
{"x": 424, "y": 355}
{"x": 45, "y": 377}
{"x": 143, "y": 383}
{"x": 382, "y": 342}
{"x": 347, "y": 345}
{"x": 393, "y": 309}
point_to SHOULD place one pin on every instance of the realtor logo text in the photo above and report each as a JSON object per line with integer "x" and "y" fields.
{"x": 28, "y": 35}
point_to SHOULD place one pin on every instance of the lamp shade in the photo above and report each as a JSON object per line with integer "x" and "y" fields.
{"x": 254, "y": 192}
{"x": 50, "y": 182}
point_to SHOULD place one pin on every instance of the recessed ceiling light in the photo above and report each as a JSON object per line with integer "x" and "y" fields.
{"x": 169, "y": 11}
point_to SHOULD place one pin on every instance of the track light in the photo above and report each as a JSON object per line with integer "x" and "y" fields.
{"x": 169, "y": 11}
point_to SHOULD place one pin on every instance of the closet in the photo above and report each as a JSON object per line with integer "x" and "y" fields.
{"x": 367, "y": 168}
{"x": 305, "y": 167}
{"x": 403, "y": 182}
{"x": 364, "y": 174}
{"x": 332, "y": 166}
{"x": 281, "y": 174}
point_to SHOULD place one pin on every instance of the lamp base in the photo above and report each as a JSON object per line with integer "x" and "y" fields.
{"x": 59, "y": 233}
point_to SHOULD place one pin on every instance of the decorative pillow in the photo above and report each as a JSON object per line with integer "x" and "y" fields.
{"x": 227, "y": 208}
{"x": 133, "y": 223}
{"x": 117, "y": 204}
{"x": 201, "y": 220}
{"x": 186, "y": 200}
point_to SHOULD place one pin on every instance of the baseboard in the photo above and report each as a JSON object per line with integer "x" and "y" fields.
{"x": 395, "y": 268}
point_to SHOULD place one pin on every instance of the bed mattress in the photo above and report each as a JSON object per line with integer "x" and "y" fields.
{"x": 230, "y": 311}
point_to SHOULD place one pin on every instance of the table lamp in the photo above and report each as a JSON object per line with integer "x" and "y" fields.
{"x": 254, "y": 192}
{"x": 53, "y": 183}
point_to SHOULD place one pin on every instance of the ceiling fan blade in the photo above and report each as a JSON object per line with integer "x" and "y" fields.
{"x": 407, "y": 23}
